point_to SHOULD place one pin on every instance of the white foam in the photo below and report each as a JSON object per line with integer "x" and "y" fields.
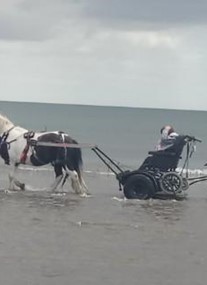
{"x": 193, "y": 172}
{"x": 119, "y": 199}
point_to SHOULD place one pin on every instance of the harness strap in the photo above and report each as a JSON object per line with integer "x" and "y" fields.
{"x": 28, "y": 136}
{"x": 23, "y": 155}
{"x": 4, "y": 146}
{"x": 62, "y": 152}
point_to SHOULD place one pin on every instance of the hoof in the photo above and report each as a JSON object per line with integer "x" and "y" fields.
{"x": 84, "y": 195}
{"x": 22, "y": 186}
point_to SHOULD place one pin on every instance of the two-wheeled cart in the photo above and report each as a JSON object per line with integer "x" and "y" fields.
{"x": 159, "y": 175}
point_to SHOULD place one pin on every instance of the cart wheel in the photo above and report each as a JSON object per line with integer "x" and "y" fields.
{"x": 185, "y": 184}
{"x": 139, "y": 186}
{"x": 171, "y": 182}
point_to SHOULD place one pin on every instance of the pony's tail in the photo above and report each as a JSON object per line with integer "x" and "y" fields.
{"x": 78, "y": 162}
{"x": 74, "y": 160}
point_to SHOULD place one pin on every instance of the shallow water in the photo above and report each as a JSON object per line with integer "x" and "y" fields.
{"x": 60, "y": 238}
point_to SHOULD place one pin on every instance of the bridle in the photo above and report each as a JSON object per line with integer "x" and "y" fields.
{"x": 5, "y": 136}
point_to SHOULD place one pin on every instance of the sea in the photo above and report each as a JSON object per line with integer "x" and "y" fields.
{"x": 60, "y": 238}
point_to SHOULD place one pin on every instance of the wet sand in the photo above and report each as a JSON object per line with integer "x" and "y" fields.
{"x": 52, "y": 239}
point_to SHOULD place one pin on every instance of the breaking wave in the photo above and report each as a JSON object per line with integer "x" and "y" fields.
{"x": 190, "y": 172}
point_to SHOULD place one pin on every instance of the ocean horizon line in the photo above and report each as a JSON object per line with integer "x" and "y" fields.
{"x": 107, "y": 106}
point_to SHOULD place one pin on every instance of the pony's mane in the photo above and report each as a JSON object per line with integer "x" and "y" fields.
{"x": 4, "y": 122}
{"x": 4, "y": 118}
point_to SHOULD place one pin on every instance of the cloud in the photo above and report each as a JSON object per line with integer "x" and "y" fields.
{"x": 34, "y": 20}
{"x": 134, "y": 53}
{"x": 147, "y": 13}
{"x": 39, "y": 20}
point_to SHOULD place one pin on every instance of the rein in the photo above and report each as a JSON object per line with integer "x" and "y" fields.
{"x": 5, "y": 145}
{"x": 5, "y": 136}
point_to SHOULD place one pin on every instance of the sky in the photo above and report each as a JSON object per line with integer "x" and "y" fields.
{"x": 137, "y": 53}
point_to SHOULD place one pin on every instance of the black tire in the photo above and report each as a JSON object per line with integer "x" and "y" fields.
{"x": 139, "y": 186}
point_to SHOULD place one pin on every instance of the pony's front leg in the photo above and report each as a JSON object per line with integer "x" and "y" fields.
{"x": 56, "y": 183}
{"x": 58, "y": 177}
{"x": 14, "y": 182}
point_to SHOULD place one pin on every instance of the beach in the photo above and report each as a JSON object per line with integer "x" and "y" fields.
{"x": 60, "y": 238}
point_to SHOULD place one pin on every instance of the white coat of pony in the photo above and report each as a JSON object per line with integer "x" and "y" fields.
{"x": 16, "y": 141}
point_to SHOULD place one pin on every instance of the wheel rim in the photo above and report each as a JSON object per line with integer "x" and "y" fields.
{"x": 171, "y": 182}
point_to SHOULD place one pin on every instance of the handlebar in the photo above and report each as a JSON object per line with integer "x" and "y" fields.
{"x": 191, "y": 138}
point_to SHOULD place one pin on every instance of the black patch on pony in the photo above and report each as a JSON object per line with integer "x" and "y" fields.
{"x": 59, "y": 157}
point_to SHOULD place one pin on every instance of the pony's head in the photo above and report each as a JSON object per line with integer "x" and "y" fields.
{"x": 5, "y": 124}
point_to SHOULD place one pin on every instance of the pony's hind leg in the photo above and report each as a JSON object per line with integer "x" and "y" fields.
{"x": 77, "y": 184}
{"x": 83, "y": 184}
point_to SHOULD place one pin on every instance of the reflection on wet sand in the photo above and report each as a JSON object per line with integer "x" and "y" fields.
{"x": 169, "y": 210}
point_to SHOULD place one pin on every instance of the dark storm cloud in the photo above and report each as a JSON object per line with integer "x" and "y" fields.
{"x": 149, "y": 12}
{"x": 40, "y": 19}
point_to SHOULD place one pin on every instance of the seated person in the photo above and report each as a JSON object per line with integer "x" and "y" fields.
{"x": 168, "y": 151}
{"x": 168, "y": 138}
